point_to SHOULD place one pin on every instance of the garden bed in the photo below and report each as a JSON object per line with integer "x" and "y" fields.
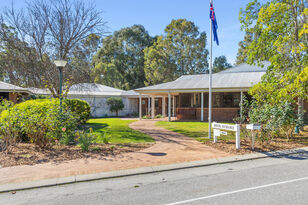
{"x": 29, "y": 154}
{"x": 226, "y": 143}
{"x": 229, "y": 146}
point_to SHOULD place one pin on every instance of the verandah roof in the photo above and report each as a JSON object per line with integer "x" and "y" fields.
{"x": 6, "y": 87}
{"x": 241, "y": 77}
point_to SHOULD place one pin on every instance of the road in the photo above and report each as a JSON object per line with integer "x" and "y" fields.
{"x": 263, "y": 181}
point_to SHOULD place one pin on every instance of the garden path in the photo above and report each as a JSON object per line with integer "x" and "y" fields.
{"x": 170, "y": 148}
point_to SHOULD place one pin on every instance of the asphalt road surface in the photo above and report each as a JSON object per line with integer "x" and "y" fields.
{"x": 265, "y": 181}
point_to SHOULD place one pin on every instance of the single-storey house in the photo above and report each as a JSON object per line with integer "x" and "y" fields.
{"x": 187, "y": 97}
{"x": 96, "y": 95}
{"x": 12, "y": 92}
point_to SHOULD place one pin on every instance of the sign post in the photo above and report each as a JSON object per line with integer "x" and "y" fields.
{"x": 253, "y": 127}
{"x": 217, "y": 127}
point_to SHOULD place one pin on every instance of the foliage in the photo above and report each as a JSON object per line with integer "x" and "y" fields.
{"x": 5, "y": 104}
{"x": 220, "y": 64}
{"x": 146, "y": 117}
{"x": 241, "y": 56}
{"x": 67, "y": 137}
{"x": 32, "y": 38}
{"x": 245, "y": 107}
{"x": 115, "y": 104}
{"x": 8, "y": 135}
{"x": 275, "y": 119}
{"x": 117, "y": 131}
{"x": 39, "y": 120}
{"x": 279, "y": 34}
{"x": 181, "y": 51}
{"x": 120, "y": 61}
{"x": 80, "y": 108}
{"x": 85, "y": 139}
{"x": 158, "y": 116}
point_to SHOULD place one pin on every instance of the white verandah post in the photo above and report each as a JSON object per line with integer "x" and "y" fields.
{"x": 169, "y": 107}
{"x": 153, "y": 107}
{"x": 202, "y": 106}
{"x": 140, "y": 107}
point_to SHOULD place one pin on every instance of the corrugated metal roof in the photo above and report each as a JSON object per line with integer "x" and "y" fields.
{"x": 244, "y": 67}
{"x": 6, "y": 87}
{"x": 90, "y": 89}
{"x": 237, "y": 77}
{"x": 39, "y": 91}
{"x": 94, "y": 89}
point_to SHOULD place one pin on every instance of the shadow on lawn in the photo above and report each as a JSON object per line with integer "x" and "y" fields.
{"x": 96, "y": 126}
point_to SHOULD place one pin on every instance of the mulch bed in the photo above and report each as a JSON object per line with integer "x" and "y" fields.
{"x": 229, "y": 146}
{"x": 299, "y": 140}
{"x": 29, "y": 154}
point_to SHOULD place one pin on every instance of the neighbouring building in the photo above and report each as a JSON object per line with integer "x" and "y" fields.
{"x": 96, "y": 95}
{"x": 12, "y": 92}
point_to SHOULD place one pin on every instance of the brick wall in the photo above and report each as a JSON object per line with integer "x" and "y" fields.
{"x": 218, "y": 114}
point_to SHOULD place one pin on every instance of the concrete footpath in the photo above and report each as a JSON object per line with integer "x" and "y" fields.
{"x": 146, "y": 170}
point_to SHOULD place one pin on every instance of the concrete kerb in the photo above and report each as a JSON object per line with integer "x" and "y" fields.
{"x": 144, "y": 170}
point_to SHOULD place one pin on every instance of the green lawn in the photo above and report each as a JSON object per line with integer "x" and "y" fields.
{"x": 196, "y": 130}
{"x": 117, "y": 131}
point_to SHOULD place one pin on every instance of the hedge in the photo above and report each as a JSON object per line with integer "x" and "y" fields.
{"x": 39, "y": 121}
{"x": 80, "y": 108}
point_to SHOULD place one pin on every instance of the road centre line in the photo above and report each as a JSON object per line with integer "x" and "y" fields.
{"x": 238, "y": 191}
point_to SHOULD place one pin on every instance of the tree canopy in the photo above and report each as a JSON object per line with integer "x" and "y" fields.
{"x": 220, "y": 64}
{"x": 180, "y": 51}
{"x": 241, "y": 56}
{"x": 280, "y": 34}
{"x": 31, "y": 38}
{"x": 120, "y": 61}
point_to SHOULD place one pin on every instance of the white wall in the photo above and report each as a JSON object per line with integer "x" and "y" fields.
{"x": 99, "y": 107}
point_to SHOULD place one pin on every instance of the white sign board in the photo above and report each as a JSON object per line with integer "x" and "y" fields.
{"x": 216, "y": 132}
{"x": 253, "y": 126}
{"x": 223, "y": 133}
{"x": 224, "y": 126}
{"x": 220, "y": 126}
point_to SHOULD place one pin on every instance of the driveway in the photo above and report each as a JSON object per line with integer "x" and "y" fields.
{"x": 170, "y": 147}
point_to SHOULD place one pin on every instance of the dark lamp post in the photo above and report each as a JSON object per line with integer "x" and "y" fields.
{"x": 60, "y": 65}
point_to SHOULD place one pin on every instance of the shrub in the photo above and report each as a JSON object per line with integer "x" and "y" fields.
{"x": 159, "y": 116}
{"x": 8, "y": 136}
{"x": 67, "y": 137}
{"x": 276, "y": 119}
{"x": 115, "y": 104}
{"x": 85, "y": 139}
{"x": 80, "y": 108}
{"x": 39, "y": 120}
{"x": 5, "y": 104}
{"x": 146, "y": 117}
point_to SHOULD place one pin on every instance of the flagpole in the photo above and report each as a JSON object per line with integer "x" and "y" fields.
{"x": 210, "y": 79}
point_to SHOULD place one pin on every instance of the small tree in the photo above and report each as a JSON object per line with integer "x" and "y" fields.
{"x": 115, "y": 105}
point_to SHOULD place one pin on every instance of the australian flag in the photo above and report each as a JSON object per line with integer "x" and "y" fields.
{"x": 214, "y": 23}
